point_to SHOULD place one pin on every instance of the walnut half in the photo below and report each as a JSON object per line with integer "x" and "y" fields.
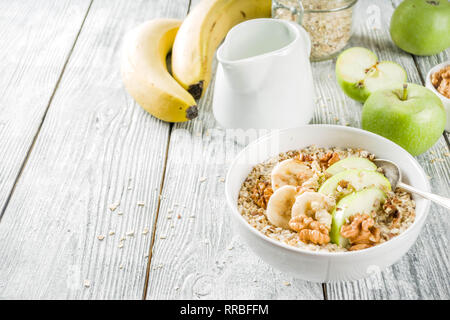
{"x": 310, "y": 230}
{"x": 262, "y": 193}
{"x": 361, "y": 232}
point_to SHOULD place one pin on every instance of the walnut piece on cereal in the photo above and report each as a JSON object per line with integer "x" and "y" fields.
{"x": 262, "y": 193}
{"x": 310, "y": 230}
{"x": 361, "y": 232}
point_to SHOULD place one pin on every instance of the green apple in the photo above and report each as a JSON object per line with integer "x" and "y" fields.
{"x": 359, "y": 73}
{"x": 366, "y": 201}
{"x": 351, "y": 163}
{"x": 358, "y": 180}
{"x": 421, "y": 27}
{"x": 412, "y": 116}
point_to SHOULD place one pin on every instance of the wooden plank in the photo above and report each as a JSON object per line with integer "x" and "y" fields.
{"x": 419, "y": 274}
{"x": 34, "y": 51}
{"x": 198, "y": 256}
{"x": 96, "y": 147}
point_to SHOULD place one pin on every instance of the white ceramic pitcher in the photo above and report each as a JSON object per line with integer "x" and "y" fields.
{"x": 264, "y": 78}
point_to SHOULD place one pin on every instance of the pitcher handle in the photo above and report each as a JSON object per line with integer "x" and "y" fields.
{"x": 306, "y": 39}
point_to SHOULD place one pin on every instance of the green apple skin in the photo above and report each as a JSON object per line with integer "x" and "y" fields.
{"x": 415, "y": 123}
{"x": 351, "y": 163}
{"x": 364, "y": 202}
{"x": 358, "y": 178}
{"x": 421, "y": 27}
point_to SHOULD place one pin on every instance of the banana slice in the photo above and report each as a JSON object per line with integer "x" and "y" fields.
{"x": 280, "y": 205}
{"x": 314, "y": 205}
{"x": 290, "y": 172}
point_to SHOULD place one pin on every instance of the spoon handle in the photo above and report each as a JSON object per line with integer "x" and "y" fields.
{"x": 445, "y": 202}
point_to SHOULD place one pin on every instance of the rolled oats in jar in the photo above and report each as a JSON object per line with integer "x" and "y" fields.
{"x": 328, "y": 22}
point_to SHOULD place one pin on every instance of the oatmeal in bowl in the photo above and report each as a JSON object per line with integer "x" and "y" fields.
{"x": 324, "y": 199}
{"x": 311, "y": 202}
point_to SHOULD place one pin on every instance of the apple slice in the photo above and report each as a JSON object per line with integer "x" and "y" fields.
{"x": 366, "y": 201}
{"x": 359, "y": 73}
{"x": 358, "y": 179}
{"x": 351, "y": 163}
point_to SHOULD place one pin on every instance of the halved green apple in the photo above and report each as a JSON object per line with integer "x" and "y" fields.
{"x": 357, "y": 179}
{"x": 366, "y": 201}
{"x": 351, "y": 163}
{"x": 359, "y": 73}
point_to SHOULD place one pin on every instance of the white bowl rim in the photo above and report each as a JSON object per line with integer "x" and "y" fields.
{"x": 263, "y": 237}
{"x": 428, "y": 79}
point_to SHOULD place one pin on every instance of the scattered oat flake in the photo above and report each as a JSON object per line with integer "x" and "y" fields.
{"x": 120, "y": 213}
{"x": 287, "y": 284}
{"x": 162, "y": 237}
{"x": 145, "y": 231}
{"x": 120, "y": 245}
{"x": 202, "y": 179}
{"x": 170, "y": 210}
{"x": 101, "y": 237}
{"x": 87, "y": 283}
{"x": 447, "y": 154}
{"x": 130, "y": 233}
{"x": 222, "y": 180}
{"x": 111, "y": 233}
{"x": 121, "y": 267}
{"x": 114, "y": 206}
{"x": 230, "y": 248}
{"x": 141, "y": 203}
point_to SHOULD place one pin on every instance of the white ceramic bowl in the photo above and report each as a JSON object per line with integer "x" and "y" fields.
{"x": 445, "y": 100}
{"x": 325, "y": 266}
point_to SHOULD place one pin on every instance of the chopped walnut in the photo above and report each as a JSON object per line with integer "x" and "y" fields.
{"x": 309, "y": 230}
{"x": 334, "y": 158}
{"x": 343, "y": 184}
{"x": 441, "y": 81}
{"x": 328, "y": 159}
{"x": 391, "y": 209}
{"x": 361, "y": 232}
{"x": 262, "y": 193}
{"x": 304, "y": 157}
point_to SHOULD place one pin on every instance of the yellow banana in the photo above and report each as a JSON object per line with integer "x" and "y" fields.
{"x": 202, "y": 32}
{"x": 145, "y": 74}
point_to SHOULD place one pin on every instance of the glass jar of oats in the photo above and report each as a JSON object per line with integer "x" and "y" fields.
{"x": 328, "y": 22}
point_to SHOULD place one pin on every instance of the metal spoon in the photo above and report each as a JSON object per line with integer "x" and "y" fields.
{"x": 394, "y": 175}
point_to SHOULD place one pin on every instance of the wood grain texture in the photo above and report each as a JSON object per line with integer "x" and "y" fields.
{"x": 420, "y": 273}
{"x": 34, "y": 51}
{"x": 196, "y": 254}
{"x": 96, "y": 147}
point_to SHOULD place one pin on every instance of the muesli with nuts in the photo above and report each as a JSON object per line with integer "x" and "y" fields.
{"x": 324, "y": 200}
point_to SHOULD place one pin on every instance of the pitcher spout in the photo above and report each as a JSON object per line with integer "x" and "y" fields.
{"x": 250, "y": 51}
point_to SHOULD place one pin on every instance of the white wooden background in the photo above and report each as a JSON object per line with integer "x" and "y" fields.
{"x": 73, "y": 144}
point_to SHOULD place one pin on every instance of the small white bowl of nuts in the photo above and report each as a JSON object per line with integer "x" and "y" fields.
{"x": 438, "y": 81}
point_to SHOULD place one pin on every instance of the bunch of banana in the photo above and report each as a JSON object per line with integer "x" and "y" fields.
{"x": 145, "y": 74}
{"x": 201, "y": 33}
{"x": 144, "y": 69}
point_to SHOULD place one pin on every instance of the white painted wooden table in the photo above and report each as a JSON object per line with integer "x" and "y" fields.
{"x": 73, "y": 143}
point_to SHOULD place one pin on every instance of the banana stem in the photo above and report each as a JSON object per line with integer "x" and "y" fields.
{"x": 405, "y": 92}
